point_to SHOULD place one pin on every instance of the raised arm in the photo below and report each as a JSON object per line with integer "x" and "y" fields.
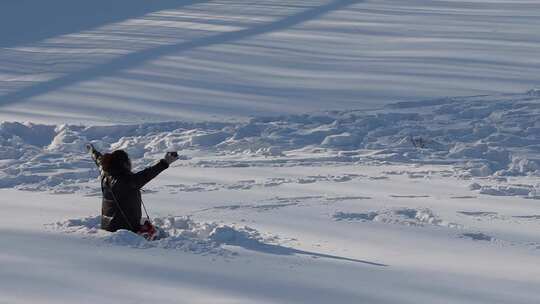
{"x": 141, "y": 178}
{"x": 96, "y": 155}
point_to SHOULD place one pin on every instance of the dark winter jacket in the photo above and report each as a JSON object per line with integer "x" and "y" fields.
{"x": 121, "y": 204}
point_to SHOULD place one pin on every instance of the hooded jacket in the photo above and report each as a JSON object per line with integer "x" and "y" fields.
{"x": 121, "y": 190}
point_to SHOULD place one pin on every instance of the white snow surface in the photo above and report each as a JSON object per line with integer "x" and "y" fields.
{"x": 324, "y": 155}
{"x": 437, "y": 199}
{"x": 136, "y": 61}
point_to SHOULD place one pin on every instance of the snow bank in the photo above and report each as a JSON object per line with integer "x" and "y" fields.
{"x": 181, "y": 233}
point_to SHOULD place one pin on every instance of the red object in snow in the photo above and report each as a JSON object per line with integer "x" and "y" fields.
{"x": 148, "y": 231}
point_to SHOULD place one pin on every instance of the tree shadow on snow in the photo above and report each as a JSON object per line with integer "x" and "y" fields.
{"x": 139, "y": 57}
{"x": 27, "y": 21}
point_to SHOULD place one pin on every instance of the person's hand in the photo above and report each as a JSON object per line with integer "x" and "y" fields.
{"x": 90, "y": 148}
{"x": 171, "y": 157}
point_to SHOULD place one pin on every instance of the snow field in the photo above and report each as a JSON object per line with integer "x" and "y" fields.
{"x": 301, "y": 233}
{"x": 323, "y": 160}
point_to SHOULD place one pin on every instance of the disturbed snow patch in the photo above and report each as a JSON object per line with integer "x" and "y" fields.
{"x": 260, "y": 183}
{"x": 402, "y": 216}
{"x": 182, "y": 233}
{"x": 480, "y": 136}
{"x": 520, "y": 190}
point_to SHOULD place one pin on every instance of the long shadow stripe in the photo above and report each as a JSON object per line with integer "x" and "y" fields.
{"x": 140, "y": 57}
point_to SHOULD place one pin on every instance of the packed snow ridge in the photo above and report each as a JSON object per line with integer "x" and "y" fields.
{"x": 480, "y": 136}
{"x": 180, "y": 233}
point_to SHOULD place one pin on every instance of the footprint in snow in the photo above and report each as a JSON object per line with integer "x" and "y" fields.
{"x": 478, "y": 213}
{"x": 463, "y": 197}
{"x": 477, "y": 236}
{"x": 242, "y": 185}
{"x": 409, "y": 196}
{"x": 528, "y": 217}
{"x": 483, "y": 215}
{"x": 347, "y": 198}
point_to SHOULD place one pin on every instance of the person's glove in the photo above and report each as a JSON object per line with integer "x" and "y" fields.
{"x": 90, "y": 148}
{"x": 171, "y": 157}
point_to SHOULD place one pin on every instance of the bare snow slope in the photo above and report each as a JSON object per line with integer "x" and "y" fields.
{"x": 214, "y": 60}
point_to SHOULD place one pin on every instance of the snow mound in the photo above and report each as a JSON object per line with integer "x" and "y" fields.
{"x": 67, "y": 140}
{"x": 89, "y": 224}
{"x": 521, "y": 190}
{"x": 523, "y": 166}
{"x": 126, "y": 238}
{"x": 401, "y": 216}
{"x": 180, "y": 233}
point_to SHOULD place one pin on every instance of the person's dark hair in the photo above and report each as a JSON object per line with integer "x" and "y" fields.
{"x": 115, "y": 162}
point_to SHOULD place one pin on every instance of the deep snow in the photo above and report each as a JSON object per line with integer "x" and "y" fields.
{"x": 438, "y": 199}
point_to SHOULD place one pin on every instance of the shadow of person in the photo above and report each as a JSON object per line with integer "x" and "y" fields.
{"x": 228, "y": 236}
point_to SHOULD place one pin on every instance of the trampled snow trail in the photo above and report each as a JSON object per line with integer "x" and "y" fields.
{"x": 479, "y": 136}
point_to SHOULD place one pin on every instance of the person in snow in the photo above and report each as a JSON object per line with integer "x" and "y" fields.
{"x": 121, "y": 190}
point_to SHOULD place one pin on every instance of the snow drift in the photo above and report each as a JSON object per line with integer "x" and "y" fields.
{"x": 180, "y": 233}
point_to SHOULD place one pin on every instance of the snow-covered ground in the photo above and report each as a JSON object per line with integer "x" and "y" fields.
{"x": 136, "y": 61}
{"x": 418, "y": 202}
{"x": 325, "y": 157}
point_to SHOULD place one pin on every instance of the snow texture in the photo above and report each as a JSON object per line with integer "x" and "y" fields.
{"x": 332, "y": 151}
{"x": 402, "y": 216}
{"x": 135, "y": 61}
{"x": 480, "y": 136}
